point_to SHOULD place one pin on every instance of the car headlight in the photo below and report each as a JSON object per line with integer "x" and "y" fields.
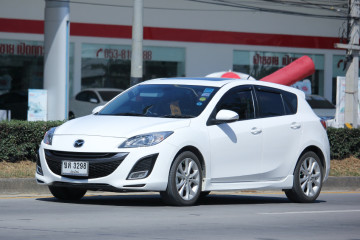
{"x": 49, "y": 136}
{"x": 145, "y": 140}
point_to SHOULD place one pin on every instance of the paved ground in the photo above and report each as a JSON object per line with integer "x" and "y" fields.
{"x": 220, "y": 216}
{"x": 11, "y": 186}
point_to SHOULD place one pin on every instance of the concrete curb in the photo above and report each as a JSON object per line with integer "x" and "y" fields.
{"x": 342, "y": 183}
{"x": 13, "y": 186}
{"x": 10, "y": 186}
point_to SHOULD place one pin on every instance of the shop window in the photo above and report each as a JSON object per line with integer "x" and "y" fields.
{"x": 22, "y": 68}
{"x": 261, "y": 64}
{"x": 108, "y": 66}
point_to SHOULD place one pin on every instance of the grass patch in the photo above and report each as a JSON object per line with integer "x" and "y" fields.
{"x": 26, "y": 169}
{"x": 346, "y": 167}
{"x": 23, "y": 169}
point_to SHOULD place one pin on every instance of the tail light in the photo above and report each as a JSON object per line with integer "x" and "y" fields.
{"x": 323, "y": 123}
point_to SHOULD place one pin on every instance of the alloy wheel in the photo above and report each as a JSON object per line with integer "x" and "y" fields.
{"x": 310, "y": 177}
{"x": 187, "y": 179}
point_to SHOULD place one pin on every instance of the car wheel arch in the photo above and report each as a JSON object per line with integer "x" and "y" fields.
{"x": 318, "y": 152}
{"x": 198, "y": 154}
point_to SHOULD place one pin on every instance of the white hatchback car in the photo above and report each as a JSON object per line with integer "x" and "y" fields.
{"x": 185, "y": 137}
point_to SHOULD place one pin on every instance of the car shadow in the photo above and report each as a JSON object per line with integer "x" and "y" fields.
{"x": 154, "y": 200}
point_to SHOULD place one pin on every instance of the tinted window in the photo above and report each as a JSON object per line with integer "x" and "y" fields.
{"x": 108, "y": 95}
{"x": 87, "y": 96}
{"x": 161, "y": 100}
{"x": 290, "y": 102}
{"x": 319, "y": 102}
{"x": 239, "y": 101}
{"x": 270, "y": 103}
{"x": 83, "y": 96}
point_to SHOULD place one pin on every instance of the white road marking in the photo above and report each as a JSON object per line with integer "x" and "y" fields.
{"x": 312, "y": 212}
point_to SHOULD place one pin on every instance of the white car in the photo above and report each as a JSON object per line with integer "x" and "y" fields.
{"x": 185, "y": 137}
{"x": 85, "y": 101}
{"x": 321, "y": 106}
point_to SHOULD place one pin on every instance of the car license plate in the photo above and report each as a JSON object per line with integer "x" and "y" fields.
{"x": 74, "y": 168}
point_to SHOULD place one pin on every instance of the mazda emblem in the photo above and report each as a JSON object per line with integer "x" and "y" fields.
{"x": 78, "y": 143}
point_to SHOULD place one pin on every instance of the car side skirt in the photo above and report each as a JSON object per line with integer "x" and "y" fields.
{"x": 285, "y": 183}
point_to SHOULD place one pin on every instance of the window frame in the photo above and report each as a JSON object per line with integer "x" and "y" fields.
{"x": 240, "y": 88}
{"x": 284, "y": 100}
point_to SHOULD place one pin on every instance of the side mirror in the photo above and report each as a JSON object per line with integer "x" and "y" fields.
{"x": 97, "y": 109}
{"x": 224, "y": 116}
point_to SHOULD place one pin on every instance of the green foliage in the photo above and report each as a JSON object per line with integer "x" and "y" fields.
{"x": 19, "y": 140}
{"x": 344, "y": 142}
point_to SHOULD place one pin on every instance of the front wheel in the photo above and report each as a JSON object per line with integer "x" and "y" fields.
{"x": 67, "y": 194}
{"x": 308, "y": 176}
{"x": 184, "y": 184}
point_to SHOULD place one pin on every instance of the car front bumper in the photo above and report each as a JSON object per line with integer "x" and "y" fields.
{"x": 117, "y": 179}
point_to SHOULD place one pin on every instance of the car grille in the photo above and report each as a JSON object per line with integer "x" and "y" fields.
{"x": 100, "y": 164}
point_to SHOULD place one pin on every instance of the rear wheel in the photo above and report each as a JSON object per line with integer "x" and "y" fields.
{"x": 184, "y": 184}
{"x": 67, "y": 194}
{"x": 308, "y": 176}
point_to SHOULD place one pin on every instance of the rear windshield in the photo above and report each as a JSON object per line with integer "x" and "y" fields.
{"x": 319, "y": 102}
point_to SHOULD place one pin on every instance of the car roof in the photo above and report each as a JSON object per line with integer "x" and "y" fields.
{"x": 220, "y": 82}
{"x": 212, "y": 82}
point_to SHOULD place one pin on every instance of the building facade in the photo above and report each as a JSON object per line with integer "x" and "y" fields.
{"x": 181, "y": 38}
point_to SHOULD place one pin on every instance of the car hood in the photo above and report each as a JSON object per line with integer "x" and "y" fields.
{"x": 119, "y": 126}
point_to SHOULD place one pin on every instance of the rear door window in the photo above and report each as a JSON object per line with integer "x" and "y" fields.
{"x": 270, "y": 102}
{"x": 275, "y": 102}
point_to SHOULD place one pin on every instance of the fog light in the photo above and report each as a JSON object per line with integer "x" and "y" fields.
{"x": 39, "y": 170}
{"x": 143, "y": 167}
{"x": 138, "y": 175}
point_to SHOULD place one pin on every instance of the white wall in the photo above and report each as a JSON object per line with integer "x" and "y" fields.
{"x": 201, "y": 58}
{"x": 198, "y": 16}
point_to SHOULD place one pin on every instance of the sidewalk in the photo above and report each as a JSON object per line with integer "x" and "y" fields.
{"x": 9, "y": 186}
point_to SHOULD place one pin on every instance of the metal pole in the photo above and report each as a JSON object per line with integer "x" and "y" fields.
{"x": 137, "y": 41}
{"x": 352, "y": 71}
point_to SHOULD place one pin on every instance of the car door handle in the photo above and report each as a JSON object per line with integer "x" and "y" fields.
{"x": 256, "y": 131}
{"x": 295, "y": 125}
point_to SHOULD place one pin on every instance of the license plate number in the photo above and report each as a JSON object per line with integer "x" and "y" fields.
{"x": 74, "y": 168}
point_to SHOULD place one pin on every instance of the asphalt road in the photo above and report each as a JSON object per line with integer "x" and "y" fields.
{"x": 261, "y": 216}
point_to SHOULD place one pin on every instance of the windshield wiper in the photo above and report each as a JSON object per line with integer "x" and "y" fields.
{"x": 178, "y": 116}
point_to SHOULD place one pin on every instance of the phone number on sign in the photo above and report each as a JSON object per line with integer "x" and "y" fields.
{"x": 124, "y": 54}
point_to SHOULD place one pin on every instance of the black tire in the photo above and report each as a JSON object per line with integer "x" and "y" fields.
{"x": 67, "y": 194}
{"x": 71, "y": 115}
{"x": 308, "y": 179}
{"x": 192, "y": 179}
{"x": 204, "y": 194}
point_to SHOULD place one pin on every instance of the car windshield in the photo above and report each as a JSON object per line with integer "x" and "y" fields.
{"x": 108, "y": 95}
{"x": 160, "y": 100}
